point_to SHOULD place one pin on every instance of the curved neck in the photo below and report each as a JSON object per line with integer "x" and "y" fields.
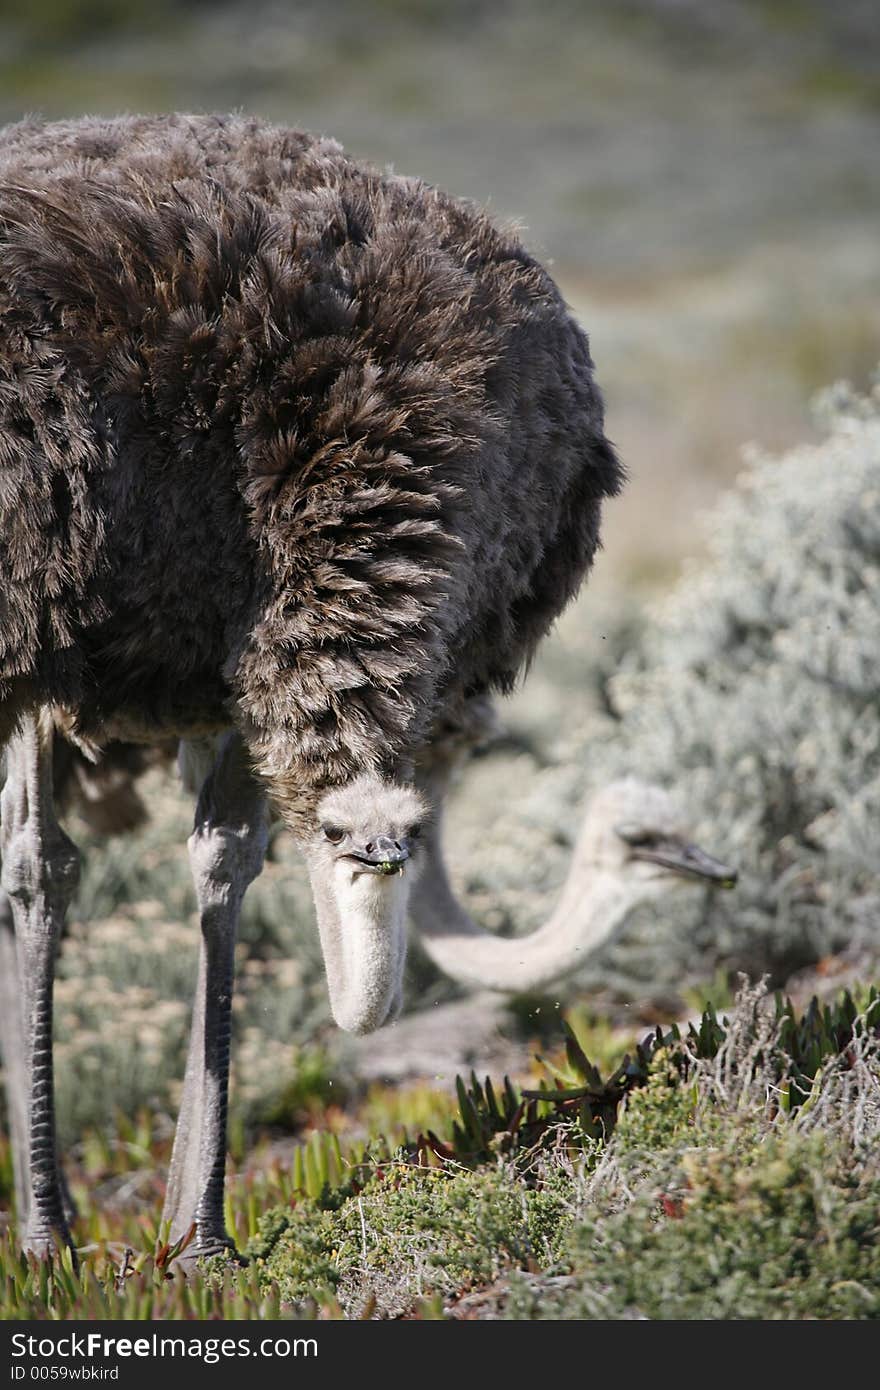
{"x": 362, "y": 923}
{"x": 590, "y": 907}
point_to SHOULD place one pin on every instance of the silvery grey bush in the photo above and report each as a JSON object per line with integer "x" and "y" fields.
{"x": 755, "y": 692}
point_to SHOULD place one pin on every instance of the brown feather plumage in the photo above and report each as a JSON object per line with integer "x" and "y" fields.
{"x": 285, "y": 442}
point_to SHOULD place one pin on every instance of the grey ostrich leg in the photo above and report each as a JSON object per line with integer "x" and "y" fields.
{"x": 13, "y": 1055}
{"x": 40, "y": 871}
{"x": 12, "y": 1051}
{"x": 226, "y": 851}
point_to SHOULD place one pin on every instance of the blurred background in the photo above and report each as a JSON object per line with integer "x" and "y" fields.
{"x": 703, "y": 181}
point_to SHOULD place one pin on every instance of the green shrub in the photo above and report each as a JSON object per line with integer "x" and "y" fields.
{"x": 408, "y": 1233}
{"x": 787, "y": 1228}
{"x": 719, "y": 1199}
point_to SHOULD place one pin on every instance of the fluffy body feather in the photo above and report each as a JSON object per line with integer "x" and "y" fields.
{"x": 286, "y": 443}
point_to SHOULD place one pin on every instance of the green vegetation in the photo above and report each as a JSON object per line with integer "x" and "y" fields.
{"x": 784, "y": 1228}
{"x": 718, "y": 1196}
{"x": 735, "y": 1173}
{"x": 407, "y": 1233}
{"x": 145, "y": 1288}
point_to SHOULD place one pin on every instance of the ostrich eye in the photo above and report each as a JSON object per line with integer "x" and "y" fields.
{"x": 333, "y": 833}
{"x": 415, "y": 831}
{"x": 635, "y": 834}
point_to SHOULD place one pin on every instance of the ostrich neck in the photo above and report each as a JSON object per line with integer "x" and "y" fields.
{"x": 592, "y": 903}
{"x": 362, "y": 923}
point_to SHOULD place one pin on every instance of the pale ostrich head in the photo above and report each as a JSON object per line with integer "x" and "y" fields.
{"x": 632, "y": 847}
{"x": 638, "y": 833}
{"x": 363, "y": 854}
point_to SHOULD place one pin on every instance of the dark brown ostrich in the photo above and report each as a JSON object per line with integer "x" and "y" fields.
{"x": 298, "y": 460}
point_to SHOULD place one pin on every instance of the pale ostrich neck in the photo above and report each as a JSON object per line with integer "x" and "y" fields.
{"x": 362, "y": 922}
{"x": 592, "y": 903}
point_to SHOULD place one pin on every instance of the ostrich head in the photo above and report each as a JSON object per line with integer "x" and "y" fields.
{"x": 636, "y": 832}
{"x": 631, "y": 847}
{"x": 363, "y": 854}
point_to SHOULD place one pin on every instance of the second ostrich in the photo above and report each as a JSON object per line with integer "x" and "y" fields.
{"x": 298, "y": 460}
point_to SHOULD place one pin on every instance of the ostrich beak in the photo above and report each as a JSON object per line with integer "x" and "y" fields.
{"x": 688, "y": 860}
{"x": 383, "y": 855}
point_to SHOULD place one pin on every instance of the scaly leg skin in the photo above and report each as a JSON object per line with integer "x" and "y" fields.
{"x": 226, "y": 850}
{"x": 12, "y": 1051}
{"x": 40, "y": 871}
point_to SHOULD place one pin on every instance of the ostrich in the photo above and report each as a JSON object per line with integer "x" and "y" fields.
{"x": 299, "y": 461}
